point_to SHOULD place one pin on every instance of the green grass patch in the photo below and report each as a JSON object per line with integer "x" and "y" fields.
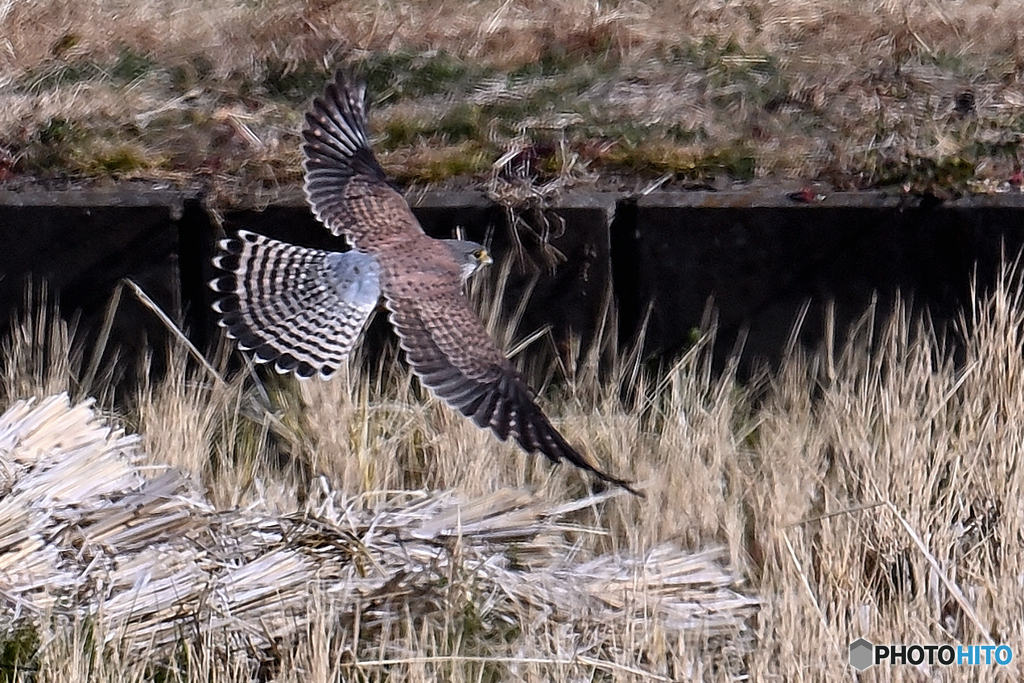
{"x": 920, "y": 173}
{"x": 65, "y": 147}
{"x": 17, "y": 656}
{"x": 118, "y": 160}
{"x": 48, "y": 150}
{"x": 461, "y": 123}
{"x": 129, "y": 66}
{"x": 395, "y": 76}
{"x": 494, "y": 105}
{"x": 468, "y": 159}
{"x": 657, "y": 158}
{"x": 53, "y": 75}
{"x": 730, "y": 74}
{"x": 295, "y": 84}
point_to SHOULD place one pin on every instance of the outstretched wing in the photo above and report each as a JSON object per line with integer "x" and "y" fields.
{"x": 345, "y": 186}
{"x": 301, "y": 309}
{"x": 452, "y": 354}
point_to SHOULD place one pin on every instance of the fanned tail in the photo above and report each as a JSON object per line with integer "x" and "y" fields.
{"x": 301, "y": 309}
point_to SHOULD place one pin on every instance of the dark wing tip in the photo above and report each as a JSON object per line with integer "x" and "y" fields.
{"x": 336, "y": 153}
{"x": 335, "y": 131}
{"x": 510, "y": 410}
{"x": 553, "y": 445}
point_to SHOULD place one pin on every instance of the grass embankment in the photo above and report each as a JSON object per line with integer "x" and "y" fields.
{"x": 922, "y": 96}
{"x": 870, "y": 491}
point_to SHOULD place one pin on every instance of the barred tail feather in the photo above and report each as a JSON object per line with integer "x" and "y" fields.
{"x": 300, "y": 309}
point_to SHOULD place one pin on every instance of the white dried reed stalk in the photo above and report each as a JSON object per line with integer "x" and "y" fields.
{"x": 86, "y": 534}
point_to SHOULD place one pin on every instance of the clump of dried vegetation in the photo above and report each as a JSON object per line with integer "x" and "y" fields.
{"x": 919, "y": 95}
{"x": 357, "y": 529}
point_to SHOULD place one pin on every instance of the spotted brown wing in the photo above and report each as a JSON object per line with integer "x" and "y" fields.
{"x": 452, "y": 354}
{"x": 344, "y": 184}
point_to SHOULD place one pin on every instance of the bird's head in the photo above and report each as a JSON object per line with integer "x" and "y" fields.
{"x": 469, "y": 256}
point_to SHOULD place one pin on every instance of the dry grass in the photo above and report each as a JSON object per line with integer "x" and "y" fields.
{"x": 920, "y": 94}
{"x": 872, "y": 490}
{"x": 93, "y": 538}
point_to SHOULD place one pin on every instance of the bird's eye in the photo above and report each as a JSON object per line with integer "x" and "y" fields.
{"x": 479, "y": 254}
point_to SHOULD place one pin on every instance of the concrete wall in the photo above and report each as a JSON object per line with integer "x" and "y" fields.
{"x": 761, "y": 257}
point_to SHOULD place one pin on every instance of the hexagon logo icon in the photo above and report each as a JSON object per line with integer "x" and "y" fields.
{"x": 862, "y": 654}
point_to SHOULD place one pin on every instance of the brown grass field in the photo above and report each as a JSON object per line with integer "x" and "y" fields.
{"x": 917, "y": 94}
{"x": 868, "y": 488}
{"x": 872, "y": 490}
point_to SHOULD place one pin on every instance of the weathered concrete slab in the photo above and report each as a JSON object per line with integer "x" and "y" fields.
{"x": 756, "y": 253}
{"x": 119, "y": 196}
{"x": 81, "y": 244}
{"x": 759, "y": 263}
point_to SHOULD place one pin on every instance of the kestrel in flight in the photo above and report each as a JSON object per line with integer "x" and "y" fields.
{"x": 303, "y": 309}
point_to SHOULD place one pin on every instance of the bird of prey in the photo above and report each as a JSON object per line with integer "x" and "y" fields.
{"x": 303, "y": 308}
